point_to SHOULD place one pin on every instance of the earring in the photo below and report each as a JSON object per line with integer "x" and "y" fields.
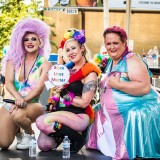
{"x": 41, "y": 43}
{"x": 40, "y": 46}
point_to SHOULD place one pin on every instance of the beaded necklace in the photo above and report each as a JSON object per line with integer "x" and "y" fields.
{"x": 26, "y": 78}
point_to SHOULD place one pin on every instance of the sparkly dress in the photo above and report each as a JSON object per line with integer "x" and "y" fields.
{"x": 125, "y": 126}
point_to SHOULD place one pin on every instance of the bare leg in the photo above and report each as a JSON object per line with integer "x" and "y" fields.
{"x": 25, "y": 117}
{"x": 8, "y": 128}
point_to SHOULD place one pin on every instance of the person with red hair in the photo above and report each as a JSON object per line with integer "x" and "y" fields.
{"x": 126, "y": 125}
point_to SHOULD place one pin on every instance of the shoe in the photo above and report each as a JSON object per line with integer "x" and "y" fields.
{"x": 78, "y": 140}
{"x": 58, "y": 141}
{"x": 57, "y": 137}
{"x": 76, "y": 146}
{"x": 19, "y": 137}
{"x": 24, "y": 143}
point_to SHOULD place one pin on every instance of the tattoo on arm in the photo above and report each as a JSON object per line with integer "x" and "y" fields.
{"x": 90, "y": 86}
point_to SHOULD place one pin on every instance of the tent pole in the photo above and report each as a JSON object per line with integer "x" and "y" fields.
{"x": 128, "y": 13}
{"x": 106, "y": 13}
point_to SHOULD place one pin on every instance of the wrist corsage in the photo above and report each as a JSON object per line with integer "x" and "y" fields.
{"x": 55, "y": 98}
{"x": 68, "y": 98}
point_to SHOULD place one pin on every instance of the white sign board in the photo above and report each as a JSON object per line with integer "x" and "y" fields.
{"x": 146, "y": 4}
{"x": 58, "y": 75}
{"x": 113, "y": 4}
{"x": 117, "y": 4}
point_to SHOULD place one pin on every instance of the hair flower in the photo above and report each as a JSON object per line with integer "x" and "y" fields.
{"x": 82, "y": 40}
{"x": 78, "y": 35}
{"x": 62, "y": 43}
{"x": 68, "y": 35}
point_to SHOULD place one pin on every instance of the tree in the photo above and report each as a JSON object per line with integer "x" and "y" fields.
{"x": 11, "y": 11}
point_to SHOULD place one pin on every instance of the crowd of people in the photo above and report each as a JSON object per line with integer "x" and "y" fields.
{"x": 123, "y": 125}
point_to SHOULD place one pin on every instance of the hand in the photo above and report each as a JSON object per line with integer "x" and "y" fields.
{"x": 51, "y": 107}
{"x": 19, "y": 102}
{"x": 58, "y": 89}
{"x": 54, "y": 98}
{"x": 114, "y": 80}
{"x": 68, "y": 98}
{"x": 12, "y": 108}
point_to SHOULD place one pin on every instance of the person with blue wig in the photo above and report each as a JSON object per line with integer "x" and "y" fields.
{"x": 25, "y": 68}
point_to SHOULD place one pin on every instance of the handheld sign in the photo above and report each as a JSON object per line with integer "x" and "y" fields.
{"x": 59, "y": 75}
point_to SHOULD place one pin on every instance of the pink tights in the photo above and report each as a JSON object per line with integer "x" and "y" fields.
{"x": 46, "y": 143}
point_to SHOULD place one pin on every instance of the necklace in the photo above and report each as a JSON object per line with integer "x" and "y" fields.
{"x": 72, "y": 71}
{"x": 26, "y": 78}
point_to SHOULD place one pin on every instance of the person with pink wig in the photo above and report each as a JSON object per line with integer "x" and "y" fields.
{"x": 25, "y": 68}
{"x": 127, "y": 121}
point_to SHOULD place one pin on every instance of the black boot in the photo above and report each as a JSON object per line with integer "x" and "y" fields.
{"x": 77, "y": 140}
{"x": 76, "y": 145}
{"x": 58, "y": 137}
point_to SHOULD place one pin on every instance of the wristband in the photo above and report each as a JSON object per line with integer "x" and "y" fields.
{"x": 55, "y": 98}
{"x": 68, "y": 98}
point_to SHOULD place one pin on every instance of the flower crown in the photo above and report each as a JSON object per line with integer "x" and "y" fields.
{"x": 75, "y": 34}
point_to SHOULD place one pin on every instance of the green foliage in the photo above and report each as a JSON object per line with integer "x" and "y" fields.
{"x": 11, "y": 11}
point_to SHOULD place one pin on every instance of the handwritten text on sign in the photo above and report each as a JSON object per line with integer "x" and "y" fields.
{"x": 58, "y": 75}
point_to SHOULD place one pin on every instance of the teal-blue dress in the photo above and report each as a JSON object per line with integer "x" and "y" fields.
{"x": 126, "y": 126}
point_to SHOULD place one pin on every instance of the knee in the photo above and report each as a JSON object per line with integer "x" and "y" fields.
{"x": 39, "y": 123}
{"x": 44, "y": 146}
{"x": 5, "y": 144}
{"x": 17, "y": 118}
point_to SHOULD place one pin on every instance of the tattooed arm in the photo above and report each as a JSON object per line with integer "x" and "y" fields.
{"x": 89, "y": 90}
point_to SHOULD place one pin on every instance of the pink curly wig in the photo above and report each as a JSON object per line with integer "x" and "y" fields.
{"x": 16, "y": 50}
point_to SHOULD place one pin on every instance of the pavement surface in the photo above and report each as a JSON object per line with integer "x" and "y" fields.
{"x": 13, "y": 154}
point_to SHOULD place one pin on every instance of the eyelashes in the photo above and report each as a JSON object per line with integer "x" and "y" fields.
{"x": 115, "y": 43}
{"x": 73, "y": 48}
{"x": 32, "y": 39}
